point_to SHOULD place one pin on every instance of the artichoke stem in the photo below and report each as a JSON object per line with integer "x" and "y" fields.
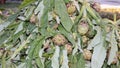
{"x": 114, "y": 16}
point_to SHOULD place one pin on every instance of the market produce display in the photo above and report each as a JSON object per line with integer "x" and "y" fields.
{"x": 59, "y": 34}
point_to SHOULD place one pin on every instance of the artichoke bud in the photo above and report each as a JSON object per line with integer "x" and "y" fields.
{"x": 85, "y": 39}
{"x": 108, "y": 29}
{"x": 68, "y": 47}
{"x": 91, "y": 33}
{"x": 54, "y": 15}
{"x": 83, "y": 27}
{"x": 71, "y": 8}
{"x": 96, "y": 6}
{"x": 33, "y": 18}
{"x": 59, "y": 39}
{"x": 74, "y": 36}
{"x": 46, "y": 45}
{"x": 87, "y": 54}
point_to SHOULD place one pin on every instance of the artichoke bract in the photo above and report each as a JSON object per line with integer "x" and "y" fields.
{"x": 59, "y": 39}
{"x": 83, "y": 27}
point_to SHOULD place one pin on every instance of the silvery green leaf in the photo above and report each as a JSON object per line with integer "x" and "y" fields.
{"x": 41, "y": 52}
{"x": 26, "y": 3}
{"x": 114, "y": 48}
{"x": 35, "y": 30}
{"x": 39, "y": 8}
{"x": 55, "y": 58}
{"x": 65, "y": 60}
{"x": 50, "y": 17}
{"x": 20, "y": 27}
{"x": 8, "y": 22}
{"x": 96, "y": 40}
{"x": 99, "y": 55}
{"x": 22, "y": 18}
{"x": 61, "y": 10}
{"x": 77, "y": 5}
{"x": 88, "y": 64}
{"x": 29, "y": 12}
{"x": 108, "y": 36}
{"x": 1, "y": 20}
{"x": 22, "y": 65}
{"x": 41, "y": 58}
{"x": 77, "y": 47}
{"x": 20, "y": 47}
{"x": 117, "y": 34}
{"x": 58, "y": 19}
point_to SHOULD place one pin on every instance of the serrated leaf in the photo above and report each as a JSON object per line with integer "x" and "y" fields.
{"x": 61, "y": 10}
{"x": 99, "y": 55}
{"x": 114, "y": 48}
{"x": 55, "y": 58}
{"x": 65, "y": 60}
{"x": 96, "y": 40}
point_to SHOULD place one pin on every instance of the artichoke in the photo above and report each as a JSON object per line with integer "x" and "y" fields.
{"x": 83, "y": 27}
{"x": 68, "y": 46}
{"x": 91, "y": 33}
{"x": 85, "y": 39}
{"x": 33, "y": 18}
{"x": 59, "y": 39}
{"x": 87, "y": 54}
{"x": 96, "y": 6}
{"x": 71, "y": 8}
